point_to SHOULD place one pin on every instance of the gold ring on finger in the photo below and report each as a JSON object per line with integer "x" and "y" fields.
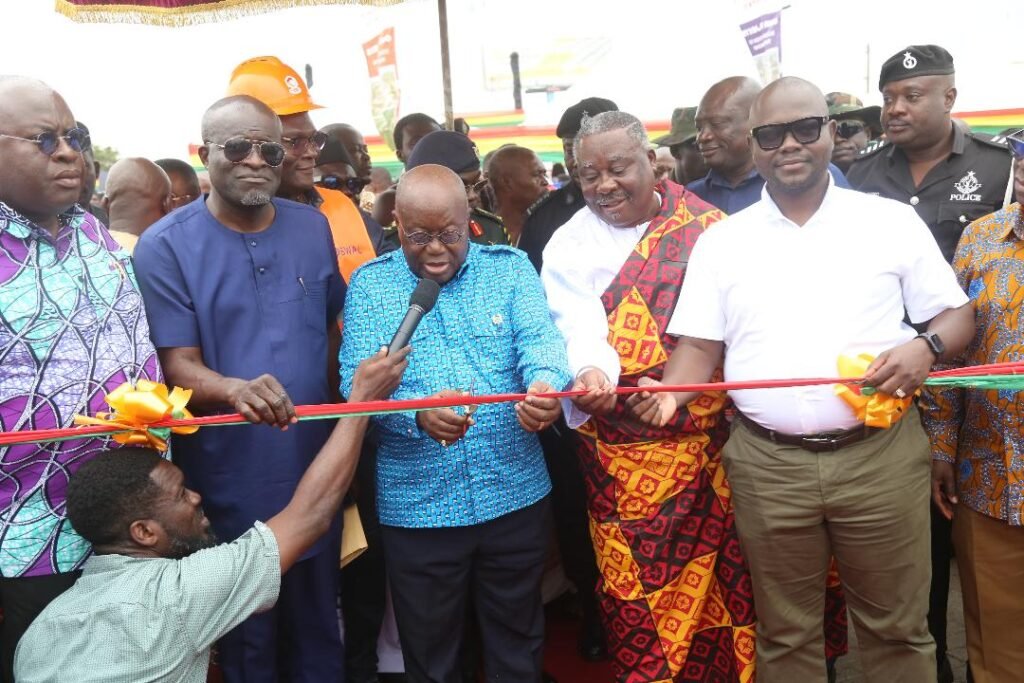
{"x": 899, "y": 393}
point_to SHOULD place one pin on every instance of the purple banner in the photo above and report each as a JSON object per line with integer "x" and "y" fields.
{"x": 763, "y": 33}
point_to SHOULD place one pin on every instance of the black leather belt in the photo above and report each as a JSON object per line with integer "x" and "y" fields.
{"x": 824, "y": 442}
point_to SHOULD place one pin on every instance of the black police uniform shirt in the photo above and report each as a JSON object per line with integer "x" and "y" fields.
{"x": 548, "y": 214}
{"x": 969, "y": 184}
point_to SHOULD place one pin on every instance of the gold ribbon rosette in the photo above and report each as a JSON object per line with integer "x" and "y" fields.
{"x": 873, "y": 408}
{"x": 136, "y": 408}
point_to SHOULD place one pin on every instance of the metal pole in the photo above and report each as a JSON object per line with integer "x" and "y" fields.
{"x": 446, "y": 67}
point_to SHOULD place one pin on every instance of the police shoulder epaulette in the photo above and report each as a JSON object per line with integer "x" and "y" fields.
{"x": 993, "y": 142}
{"x": 872, "y": 148}
{"x": 537, "y": 204}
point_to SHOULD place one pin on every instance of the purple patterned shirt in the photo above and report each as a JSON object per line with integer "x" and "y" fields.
{"x": 72, "y": 328}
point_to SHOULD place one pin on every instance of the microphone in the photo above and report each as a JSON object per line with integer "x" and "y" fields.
{"x": 422, "y": 300}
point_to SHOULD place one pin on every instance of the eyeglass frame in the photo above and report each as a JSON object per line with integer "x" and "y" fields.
{"x": 787, "y": 130}
{"x": 318, "y": 140}
{"x": 38, "y": 140}
{"x": 862, "y": 126}
{"x": 414, "y": 236}
{"x": 254, "y": 144}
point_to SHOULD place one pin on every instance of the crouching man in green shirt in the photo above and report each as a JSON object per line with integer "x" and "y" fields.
{"x": 159, "y": 591}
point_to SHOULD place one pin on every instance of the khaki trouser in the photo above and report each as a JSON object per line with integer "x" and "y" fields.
{"x": 866, "y": 504}
{"x": 990, "y": 554}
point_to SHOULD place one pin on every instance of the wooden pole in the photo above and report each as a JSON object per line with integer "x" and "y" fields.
{"x": 446, "y": 66}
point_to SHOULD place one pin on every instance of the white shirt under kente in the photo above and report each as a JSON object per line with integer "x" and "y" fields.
{"x": 789, "y": 300}
{"x": 580, "y": 262}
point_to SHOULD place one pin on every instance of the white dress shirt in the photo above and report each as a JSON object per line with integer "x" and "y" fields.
{"x": 788, "y": 300}
{"x": 580, "y": 262}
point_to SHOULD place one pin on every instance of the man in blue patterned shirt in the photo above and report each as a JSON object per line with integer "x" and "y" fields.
{"x": 463, "y": 498}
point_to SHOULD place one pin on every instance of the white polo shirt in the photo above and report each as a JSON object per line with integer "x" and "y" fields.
{"x": 788, "y": 300}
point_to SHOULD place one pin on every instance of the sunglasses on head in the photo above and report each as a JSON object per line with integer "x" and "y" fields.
{"x": 237, "y": 150}
{"x": 49, "y": 141}
{"x": 333, "y": 182}
{"x": 805, "y": 131}
{"x": 847, "y": 129}
{"x": 1016, "y": 143}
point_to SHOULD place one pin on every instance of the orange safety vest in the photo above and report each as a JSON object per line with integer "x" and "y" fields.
{"x": 351, "y": 242}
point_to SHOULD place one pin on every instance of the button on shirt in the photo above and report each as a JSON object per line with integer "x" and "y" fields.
{"x": 254, "y": 303}
{"x": 978, "y": 430}
{"x": 717, "y": 191}
{"x": 150, "y": 619}
{"x": 788, "y": 300}
{"x": 490, "y": 332}
{"x": 72, "y": 329}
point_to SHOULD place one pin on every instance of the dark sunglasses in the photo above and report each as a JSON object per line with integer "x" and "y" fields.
{"x": 805, "y": 131}
{"x": 421, "y": 238}
{"x": 237, "y": 150}
{"x": 49, "y": 141}
{"x": 316, "y": 141}
{"x": 847, "y": 129}
{"x": 333, "y": 182}
{"x": 1017, "y": 145}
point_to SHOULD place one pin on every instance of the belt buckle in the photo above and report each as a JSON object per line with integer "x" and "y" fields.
{"x": 832, "y": 442}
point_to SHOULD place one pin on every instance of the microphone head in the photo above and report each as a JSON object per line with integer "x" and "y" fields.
{"x": 425, "y": 295}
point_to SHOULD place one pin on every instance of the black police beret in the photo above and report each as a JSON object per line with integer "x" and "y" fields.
{"x": 569, "y": 124}
{"x": 916, "y": 60}
{"x": 445, "y": 148}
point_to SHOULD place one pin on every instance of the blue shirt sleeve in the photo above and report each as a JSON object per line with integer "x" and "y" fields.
{"x": 360, "y": 339}
{"x": 169, "y": 308}
{"x": 539, "y": 345}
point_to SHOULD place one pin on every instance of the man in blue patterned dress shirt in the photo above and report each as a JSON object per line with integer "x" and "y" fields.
{"x": 463, "y": 498}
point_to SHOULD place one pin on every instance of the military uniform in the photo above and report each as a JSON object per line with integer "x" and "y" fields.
{"x": 548, "y": 214}
{"x": 970, "y": 184}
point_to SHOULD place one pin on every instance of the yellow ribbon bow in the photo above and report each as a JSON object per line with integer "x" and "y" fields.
{"x": 874, "y": 409}
{"x": 137, "y": 407}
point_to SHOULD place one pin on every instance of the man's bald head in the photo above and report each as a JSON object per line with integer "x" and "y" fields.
{"x": 137, "y": 195}
{"x": 798, "y": 136}
{"x": 230, "y": 115}
{"x": 787, "y": 94}
{"x": 39, "y": 186}
{"x": 431, "y": 203}
{"x": 518, "y": 179}
{"x": 738, "y": 90}
{"x": 722, "y": 124}
{"x": 429, "y": 186}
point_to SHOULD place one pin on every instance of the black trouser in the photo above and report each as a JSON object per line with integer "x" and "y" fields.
{"x": 364, "y": 581}
{"x": 572, "y": 525}
{"x": 501, "y": 563}
{"x": 22, "y": 600}
{"x": 938, "y": 596}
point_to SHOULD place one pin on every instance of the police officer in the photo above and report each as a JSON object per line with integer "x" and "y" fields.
{"x": 456, "y": 151}
{"x": 950, "y": 176}
{"x": 555, "y": 208}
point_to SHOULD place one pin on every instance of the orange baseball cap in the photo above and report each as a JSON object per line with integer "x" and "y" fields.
{"x": 273, "y": 83}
